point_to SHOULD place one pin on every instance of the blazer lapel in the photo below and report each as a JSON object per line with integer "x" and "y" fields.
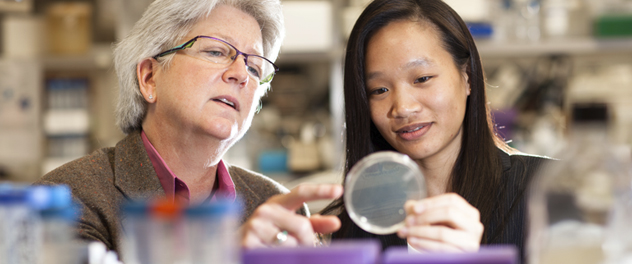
{"x": 134, "y": 174}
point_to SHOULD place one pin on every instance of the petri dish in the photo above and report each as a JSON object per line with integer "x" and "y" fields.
{"x": 377, "y": 187}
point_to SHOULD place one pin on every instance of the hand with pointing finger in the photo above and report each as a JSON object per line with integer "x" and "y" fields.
{"x": 276, "y": 223}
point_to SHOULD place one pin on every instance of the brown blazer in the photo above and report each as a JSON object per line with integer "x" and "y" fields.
{"x": 108, "y": 177}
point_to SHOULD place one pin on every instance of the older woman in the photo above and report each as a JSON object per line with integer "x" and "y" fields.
{"x": 191, "y": 74}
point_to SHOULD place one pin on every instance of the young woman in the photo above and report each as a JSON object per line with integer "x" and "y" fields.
{"x": 414, "y": 84}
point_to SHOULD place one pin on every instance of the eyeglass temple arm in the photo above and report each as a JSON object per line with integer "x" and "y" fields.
{"x": 185, "y": 45}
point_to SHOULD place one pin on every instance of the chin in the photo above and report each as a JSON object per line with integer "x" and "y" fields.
{"x": 221, "y": 134}
{"x": 417, "y": 152}
{"x": 417, "y": 156}
{"x": 220, "y": 128}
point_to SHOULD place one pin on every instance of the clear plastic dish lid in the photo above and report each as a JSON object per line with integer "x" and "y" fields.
{"x": 377, "y": 187}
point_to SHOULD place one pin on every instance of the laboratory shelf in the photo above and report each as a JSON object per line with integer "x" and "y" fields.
{"x": 568, "y": 46}
{"x": 98, "y": 57}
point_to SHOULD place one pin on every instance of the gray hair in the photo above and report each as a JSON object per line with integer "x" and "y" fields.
{"x": 164, "y": 23}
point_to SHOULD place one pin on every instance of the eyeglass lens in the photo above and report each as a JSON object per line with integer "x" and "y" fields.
{"x": 219, "y": 52}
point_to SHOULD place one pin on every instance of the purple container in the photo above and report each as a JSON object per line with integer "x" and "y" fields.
{"x": 504, "y": 121}
{"x": 486, "y": 255}
{"x": 347, "y": 252}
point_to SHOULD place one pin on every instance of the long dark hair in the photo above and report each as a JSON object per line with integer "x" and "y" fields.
{"x": 476, "y": 175}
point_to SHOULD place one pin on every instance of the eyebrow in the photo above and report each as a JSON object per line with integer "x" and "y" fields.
{"x": 232, "y": 42}
{"x": 423, "y": 62}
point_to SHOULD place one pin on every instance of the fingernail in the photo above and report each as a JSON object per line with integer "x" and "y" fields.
{"x": 419, "y": 208}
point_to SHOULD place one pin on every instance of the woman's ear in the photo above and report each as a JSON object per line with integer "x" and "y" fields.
{"x": 466, "y": 79}
{"x": 145, "y": 72}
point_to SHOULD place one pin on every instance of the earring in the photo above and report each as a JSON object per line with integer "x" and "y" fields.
{"x": 151, "y": 97}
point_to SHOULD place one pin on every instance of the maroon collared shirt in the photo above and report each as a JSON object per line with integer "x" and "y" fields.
{"x": 175, "y": 188}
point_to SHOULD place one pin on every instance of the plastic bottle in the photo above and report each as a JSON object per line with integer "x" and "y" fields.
{"x": 18, "y": 227}
{"x": 165, "y": 232}
{"x": 211, "y": 233}
{"x": 58, "y": 214}
{"x": 136, "y": 240}
{"x": 566, "y": 18}
{"x": 153, "y": 233}
{"x": 503, "y": 21}
{"x": 528, "y": 20}
{"x": 572, "y": 200}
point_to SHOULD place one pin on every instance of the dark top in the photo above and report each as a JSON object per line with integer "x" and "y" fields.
{"x": 103, "y": 180}
{"x": 518, "y": 170}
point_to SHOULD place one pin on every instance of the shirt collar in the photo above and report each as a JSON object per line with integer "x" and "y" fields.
{"x": 178, "y": 190}
{"x": 505, "y": 159}
{"x": 226, "y": 186}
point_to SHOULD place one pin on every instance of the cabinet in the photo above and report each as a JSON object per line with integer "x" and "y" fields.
{"x": 71, "y": 95}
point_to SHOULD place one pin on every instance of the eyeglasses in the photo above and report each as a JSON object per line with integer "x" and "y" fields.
{"x": 221, "y": 52}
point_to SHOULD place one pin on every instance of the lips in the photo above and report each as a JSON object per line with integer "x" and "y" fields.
{"x": 227, "y": 100}
{"x": 414, "y": 131}
{"x": 412, "y": 128}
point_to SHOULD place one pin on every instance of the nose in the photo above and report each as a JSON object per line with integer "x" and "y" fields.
{"x": 237, "y": 72}
{"x": 404, "y": 103}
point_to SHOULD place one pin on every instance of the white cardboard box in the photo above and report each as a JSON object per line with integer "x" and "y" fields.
{"x": 72, "y": 121}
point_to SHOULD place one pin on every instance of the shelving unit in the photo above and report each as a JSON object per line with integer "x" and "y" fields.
{"x": 20, "y": 118}
{"x": 98, "y": 58}
{"x": 305, "y": 57}
{"x": 308, "y": 86}
{"x": 63, "y": 131}
{"x": 572, "y": 46}
{"x": 324, "y": 69}
{"x": 93, "y": 125}
{"x": 582, "y": 69}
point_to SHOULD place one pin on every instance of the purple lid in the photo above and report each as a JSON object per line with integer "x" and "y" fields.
{"x": 486, "y": 255}
{"x": 343, "y": 252}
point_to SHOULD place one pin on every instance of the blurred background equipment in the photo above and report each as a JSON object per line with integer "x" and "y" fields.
{"x": 540, "y": 56}
{"x": 66, "y": 121}
{"x": 36, "y": 225}
{"x": 69, "y": 27}
{"x": 578, "y": 206}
